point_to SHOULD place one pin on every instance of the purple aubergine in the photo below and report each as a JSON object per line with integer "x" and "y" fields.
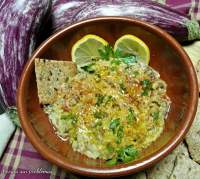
{"x": 20, "y": 22}
{"x": 175, "y": 23}
{"x": 63, "y": 11}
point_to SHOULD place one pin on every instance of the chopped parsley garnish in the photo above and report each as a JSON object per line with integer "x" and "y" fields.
{"x": 118, "y": 56}
{"x": 127, "y": 154}
{"x": 115, "y": 62}
{"x": 155, "y": 115}
{"x": 125, "y": 58}
{"x": 146, "y": 83}
{"x": 100, "y": 99}
{"x": 108, "y": 99}
{"x": 129, "y": 59}
{"x": 114, "y": 124}
{"x": 111, "y": 162}
{"x": 131, "y": 115}
{"x": 124, "y": 155}
{"x": 147, "y": 86}
{"x": 110, "y": 149}
{"x": 120, "y": 134}
{"x": 106, "y": 53}
{"x": 69, "y": 116}
{"x": 145, "y": 92}
{"x": 66, "y": 79}
{"x": 100, "y": 114}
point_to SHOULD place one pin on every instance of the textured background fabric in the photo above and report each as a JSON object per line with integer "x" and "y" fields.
{"x": 189, "y": 7}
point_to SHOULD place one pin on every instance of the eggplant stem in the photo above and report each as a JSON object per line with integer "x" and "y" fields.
{"x": 193, "y": 29}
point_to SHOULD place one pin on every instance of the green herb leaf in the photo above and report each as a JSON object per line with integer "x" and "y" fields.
{"x": 129, "y": 59}
{"x": 145, "y": 92}
{"x": 108, "y": 99}
{"x": 69, "y": 116}
{"x": 66, "y": 79}
{"x": 111, "y": 162}
{"x": 147, "y": 86}
{"x": 127, "y": 154}
{"x": 100, "y": 114}
{"x": 114, "y": 124}
{"x": 110, "y": 149}
{"x": 146, "y": 83}
{"x": 131, "y": 151}
{"x": 89, "y": 68}
{"x": 155, "y": 115}
{"x": 131, "y": 115}
{"x": 124, "y": 155}
{"x": 116, "y": 62}
{"x": 120, "y": 134}
{"x": 125, "y": 58}
{"x": 117, "y": 54}
{"x": 100, "y": 99}
{"x": 106, "y": 53}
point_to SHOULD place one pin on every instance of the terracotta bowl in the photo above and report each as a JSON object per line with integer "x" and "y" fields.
{"x": 167, "y": 57}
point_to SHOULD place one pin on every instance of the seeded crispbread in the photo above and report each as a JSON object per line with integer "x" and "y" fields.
{"x": 50, "y": 75}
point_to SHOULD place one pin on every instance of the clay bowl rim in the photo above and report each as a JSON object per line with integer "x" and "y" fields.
{"x": 124, "y": 169}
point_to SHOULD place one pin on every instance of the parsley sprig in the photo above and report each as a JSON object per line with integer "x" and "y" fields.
{"x": 106, "y": 53}
{"x": 124, "y": 155}
{"x": 117, "y": 56}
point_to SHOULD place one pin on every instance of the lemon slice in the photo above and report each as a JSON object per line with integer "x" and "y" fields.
{"x": 130, "y": 44}
{"x": 86, "y": 49}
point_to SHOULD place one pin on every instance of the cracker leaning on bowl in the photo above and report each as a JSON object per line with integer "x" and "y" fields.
{"x": 49, "y": 75}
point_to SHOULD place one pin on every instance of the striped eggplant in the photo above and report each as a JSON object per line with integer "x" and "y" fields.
{"x": 63, "y": 11}
{"x": 175, "y": 23}
{"x": 20, "y": 21}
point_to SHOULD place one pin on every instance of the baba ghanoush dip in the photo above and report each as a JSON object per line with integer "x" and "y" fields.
{"x": 111, "y": 110}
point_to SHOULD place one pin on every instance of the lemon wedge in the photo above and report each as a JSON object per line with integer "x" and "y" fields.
{"x": 130, "y": 44}
{"x": 86, "y": 49}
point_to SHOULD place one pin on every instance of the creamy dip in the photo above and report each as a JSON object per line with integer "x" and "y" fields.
{"x": 111, "y": 110}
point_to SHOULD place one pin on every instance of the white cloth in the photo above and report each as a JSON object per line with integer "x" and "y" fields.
{"x": 6, "y": 130}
